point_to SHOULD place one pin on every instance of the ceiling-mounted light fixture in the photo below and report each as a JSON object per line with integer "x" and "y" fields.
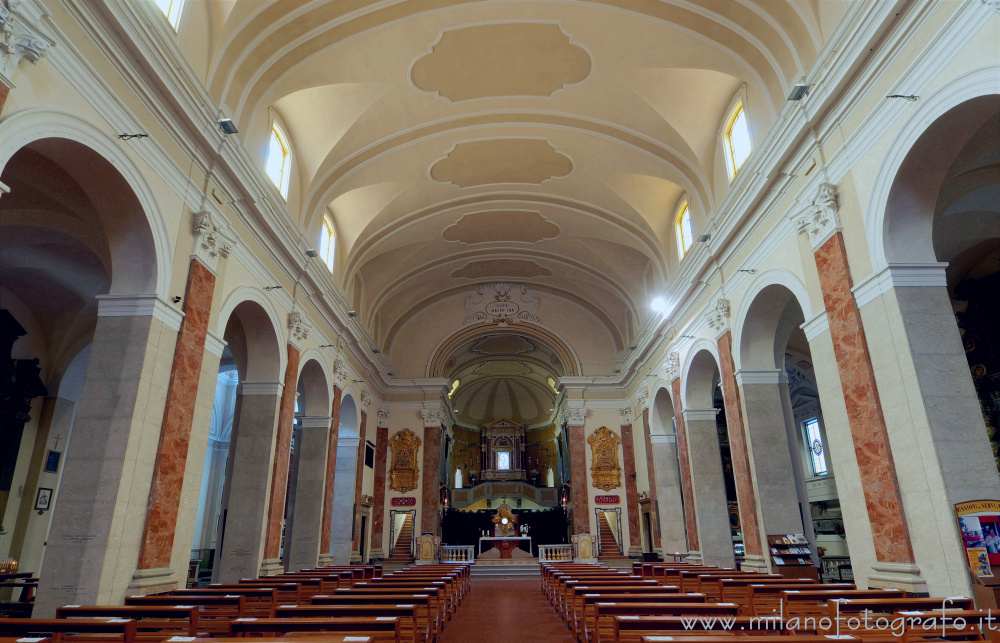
{"x": 799, "y": 91}
{"x": 375, "y": 350}
{"x": 227, "y": 126}
{"x": 352, "y": 313}
{"x": 311, "y": 253}
{"x": 704, "y": 237}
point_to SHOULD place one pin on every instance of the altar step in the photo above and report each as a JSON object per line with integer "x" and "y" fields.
{"x": 495, "y": 571}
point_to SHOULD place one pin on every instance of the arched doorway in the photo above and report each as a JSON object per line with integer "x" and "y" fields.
{"x": 712, "y": 482}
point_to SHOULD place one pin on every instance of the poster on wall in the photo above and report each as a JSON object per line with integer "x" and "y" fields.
{"x": 979, "y": 522}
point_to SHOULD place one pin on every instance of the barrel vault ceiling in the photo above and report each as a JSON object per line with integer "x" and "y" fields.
{"x": 545, "y": 143}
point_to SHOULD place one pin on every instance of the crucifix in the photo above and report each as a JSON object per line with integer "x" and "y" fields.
{"x": 57, "y": 438}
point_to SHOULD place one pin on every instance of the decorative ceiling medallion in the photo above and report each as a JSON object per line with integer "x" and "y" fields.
{"x": 501, "y": 160}
{"x": 501, "y": 268}
{"x": 404, "y": 473}
{"x": 605, "y": 470}
{"x": 501, "y": 304}
{"x": 501, "y": 60}
{"x": 524, "y": 226}
{"x": 502, "y": 345}
{"x": 502, "y": 368}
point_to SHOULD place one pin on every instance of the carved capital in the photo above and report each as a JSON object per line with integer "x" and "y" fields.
{"x": 626, "y": 414}
{"x": 383, "y": 417}
{"x": 820, "y": 219}
{"x": 672, "y": 367}
{"x": 298, "y": 327}
{"x": 366, "y": 398}
{"x": 575, "y": 416}
{"x": 642, "y": 395}
{"x": 340, "y": 372}
{"x": 20, "y": 37}
{"x": 432, "y": 417}
{"x": 992, "y": 4}
{"x": 210, "y": 242}
{"x": 718, "y": 317}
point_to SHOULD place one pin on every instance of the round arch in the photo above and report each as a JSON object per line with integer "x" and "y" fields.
{"x": 765, "y": 280}
{"x": 699, "y": 373}
{"x": 350, "y": 416}
{"x": 33, "y": 125}
{"x": 314, "y": 384}
{"x": 661, "y": 411}
{"x": 568, "y": 357}
{"x": 983, "y": 81}
{"x": 257, "y": 296}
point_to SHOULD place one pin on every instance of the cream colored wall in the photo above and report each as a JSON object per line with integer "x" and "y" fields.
{"x": 610, "y": 418}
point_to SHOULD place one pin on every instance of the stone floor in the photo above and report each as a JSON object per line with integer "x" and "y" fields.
{"x": 504, "y": 611}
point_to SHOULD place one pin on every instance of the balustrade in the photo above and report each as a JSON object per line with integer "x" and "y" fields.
{"x": 458, "y": 554}
{"x": 554, "y": 552}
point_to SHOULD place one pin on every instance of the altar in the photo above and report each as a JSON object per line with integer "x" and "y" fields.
{"x": 504, "y": 552}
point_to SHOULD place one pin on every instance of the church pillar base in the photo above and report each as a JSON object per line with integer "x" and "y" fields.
{"x": 356, "y": 558}
{"x": 635, "y": 551}
{"x": 695, "y": 558}
{"x": 904, "y": 576}
{"x": 152, "y": 581}
{"x": 754, "y": 563}
{"x": 271, "y": 567}
{"x": 376, "y": 555}
{"x": 326, "y": 560}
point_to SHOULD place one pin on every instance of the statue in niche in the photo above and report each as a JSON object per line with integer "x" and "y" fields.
{"x": 605, "y": 470}
{"x": 404, "y": 472}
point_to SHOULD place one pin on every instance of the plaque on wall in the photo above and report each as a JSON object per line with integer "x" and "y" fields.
{"x": 403, "y": 502}
{"x": 607, "y": 500}
{"x": 605, "y": 470}
{"x": 404, "y": 473}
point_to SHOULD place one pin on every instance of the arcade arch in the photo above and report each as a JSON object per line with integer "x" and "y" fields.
{"x": 666, "y": 445}
{"x": 348, "y": 446}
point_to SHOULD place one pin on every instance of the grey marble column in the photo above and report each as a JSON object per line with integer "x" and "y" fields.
{"x": 343, "y": 500}
{"x": 709, "y": 488}
{"x": 770, "y": 450}
{"x": 302, "y": 538}
{"x": 244, "y": 502}
{"x": 668, "y": 493}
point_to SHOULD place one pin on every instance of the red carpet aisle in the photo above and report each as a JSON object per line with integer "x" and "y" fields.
{"x": 503, "y": 611}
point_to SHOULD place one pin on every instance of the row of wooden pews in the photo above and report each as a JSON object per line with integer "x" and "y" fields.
{"x": 682, "y": 602}
{"x": 324, "y": 605}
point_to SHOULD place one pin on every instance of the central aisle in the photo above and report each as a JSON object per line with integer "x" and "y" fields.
{"x": 505, "y": 611}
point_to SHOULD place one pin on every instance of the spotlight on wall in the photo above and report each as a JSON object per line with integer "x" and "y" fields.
{"x": 659, "y": 305}
{"x": 799, "y": 91}
{"x": 227, "y": 126}
{"x": 352, "y": 313}
{"x": 270, "y": 288}
{"x": 177, "y": 299}
{"x": 704, "y": 237}
{"x": 311, "y": 253}
{"x": 375, "y": 350}
{"x": 632, "y": 347}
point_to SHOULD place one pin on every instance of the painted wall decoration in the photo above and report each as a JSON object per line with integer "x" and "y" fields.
{"x": 404, "y": 474}
{"x": 605, "y": 469}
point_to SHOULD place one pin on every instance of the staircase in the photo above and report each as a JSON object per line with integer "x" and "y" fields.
{"x": 497, "y": 571}
{"x": 609, "y": 546}
{"x": 401, "y": 550}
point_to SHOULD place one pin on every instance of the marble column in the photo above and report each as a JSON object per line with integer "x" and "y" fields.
{"x": 772, "y": 457}
{"x": 240, "y": 549}
{"x": 752, "y": 537}
{"x": 343, "y": 500}
{"x": 709, "y": 490}
{"x": 94, "y": 539}
{"x": 670, "y": 506}
{"x": 154, "y": 573}
{"x": 890, "y": 533}
{"x": 279, "y": 474}
{"x": 684, "y": 464}
{"x": 430, "y": 501}
{"x": 302, "y": 546}
{"x": 580, "y": 480}
{"x": 325, "y": 553}
{"x": 359, "y": 477}
{"x": 631, "y": 493}
{"x": 378, "y": 501}
{"x": 651, "y": 472}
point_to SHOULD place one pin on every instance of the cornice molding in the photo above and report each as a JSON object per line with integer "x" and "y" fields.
{"x": 900, "y": 275}
{"x": 145, "y": 305}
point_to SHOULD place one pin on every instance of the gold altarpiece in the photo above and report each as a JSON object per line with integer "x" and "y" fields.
{"x": 502, "y": 444}
{"x": 404, "y": 474}
{"x": 605, "y": 470}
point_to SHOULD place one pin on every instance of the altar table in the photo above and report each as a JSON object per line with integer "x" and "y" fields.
{"x": 482, "y": 538}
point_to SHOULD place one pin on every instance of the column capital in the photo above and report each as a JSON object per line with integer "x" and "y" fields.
{"x": 575, "y": 416}
{"x": 142, "y": 305}
{"x": 260, "y": 388}
{"x": 820, "y": 219}
{"x": 211, "y": 241}
{"x": 298, "y": 328}
{"x": 699, "y": 414}
{"x": 341, "y": 372}
{"x": 383, "y": 417}
{"x": 432, "y": 417}
{"x": 21, "y": 38}
{"x": 366, "y": 399}
{"x": 764, "y": 376}
{"x": 315, "y": 422}
{"x": 626, "y": 413}
{"x": 672, "y": 367}
{"x": 718, "y": 316}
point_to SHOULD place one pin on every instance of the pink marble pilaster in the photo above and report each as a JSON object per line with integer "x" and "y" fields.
{"x": 581, "y": 481}
{"x": 378, "y": 500}
{"x": 651, "y": 472}
{"x": 631, "y": 493}
{"x": 282, "y": 451}
{"x": 431, "y": 496}
{"x": 178, "y": 417}
{"x": 359, "y": 476}
{"x": 738, "y": 447}
{"x": 684, "y": 460}
{"x": 864, "y": 410}
{"x": 331, "y": 472}
{"x": 4, "y": 92}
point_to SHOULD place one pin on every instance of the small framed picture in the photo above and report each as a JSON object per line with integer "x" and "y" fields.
{"x": 43, "y": 499}
{"x": 52, "y": 461}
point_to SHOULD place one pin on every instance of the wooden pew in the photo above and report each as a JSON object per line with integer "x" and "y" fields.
{"x": 153, "y": 623}
{"x": 446, "y": 597}
{"x": 813, "y": 602}
{"x": 325, "y": 637}
{"x": 862, "y": 617}
{"x": 565, "y": 598}
{"x": 577, "y": 599}
{"x": 606, "y": 612}
{"x": 121, "y": 630}
{"x": 435, "y": 594}
{"x": 948, "y": 625}
{"x": 713, "y": 637}
{"x": 629, "y": 629}
{"x": 405, "y": 612}
{"x": 587, "y": 616}
{"x": 380, "y": 628}
{"x": 425, "y": 612}
{"x": 215, "y": 612}
{"x": 258, "y": 601}
{"x": 765, "y": 598}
